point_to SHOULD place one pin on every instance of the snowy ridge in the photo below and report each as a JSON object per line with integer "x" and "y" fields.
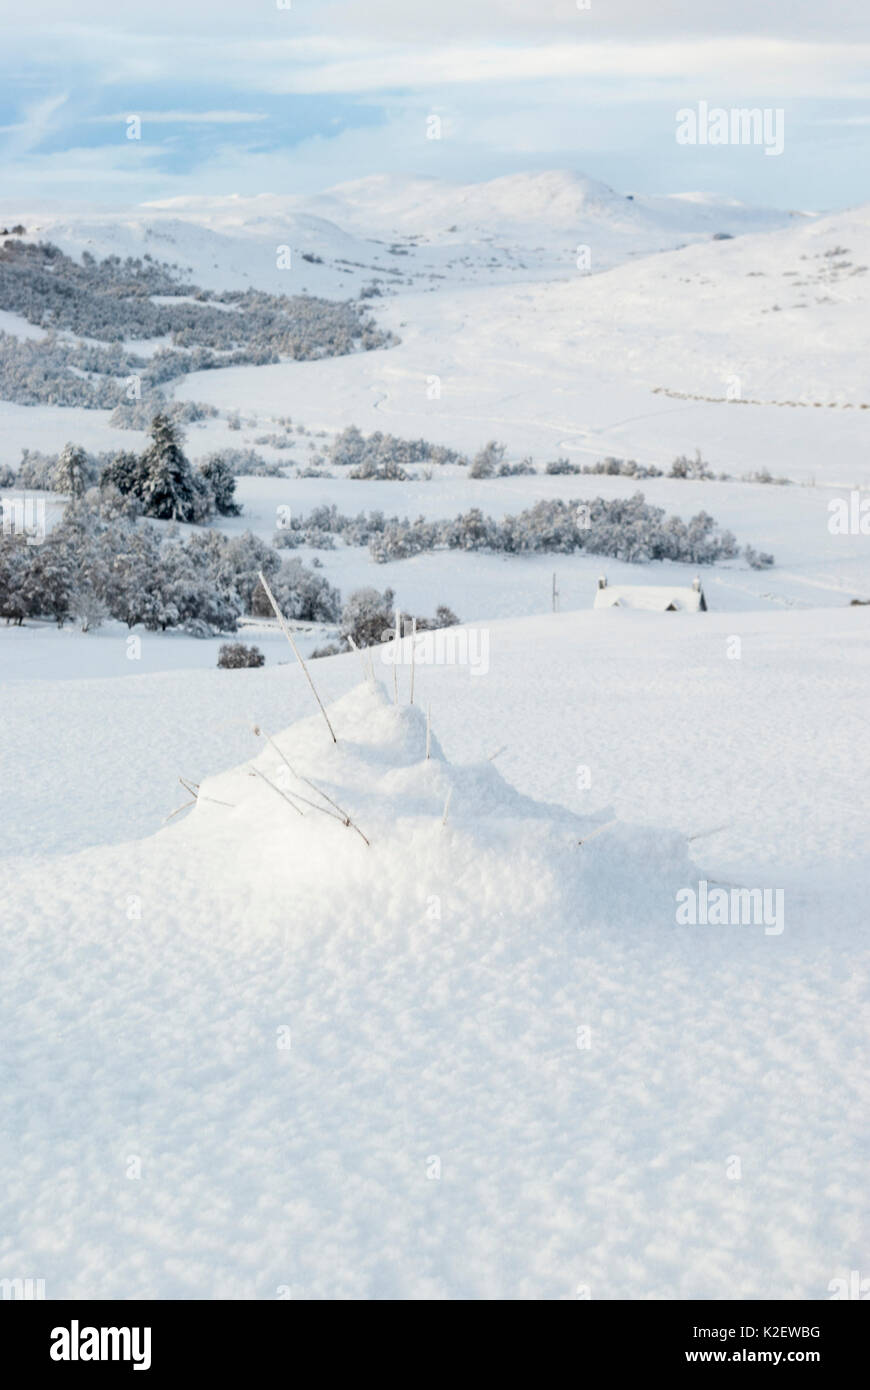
{"x": 553, "y": 198}
{"x": 515, "y": 228}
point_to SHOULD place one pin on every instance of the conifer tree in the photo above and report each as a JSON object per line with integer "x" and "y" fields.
{"x": 71, "y": 474}
{"x": 168, "y": 485}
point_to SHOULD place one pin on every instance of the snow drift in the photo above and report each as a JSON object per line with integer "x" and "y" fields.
{"x": 372, "y": 822}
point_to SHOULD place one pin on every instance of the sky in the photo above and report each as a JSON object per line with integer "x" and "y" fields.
{"x": 293, "y": 96}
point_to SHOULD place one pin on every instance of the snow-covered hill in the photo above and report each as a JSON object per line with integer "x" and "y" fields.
{"x": 401, "y": 231}
{"x": 553, "y": 200}
{"x": 751, "y": 349}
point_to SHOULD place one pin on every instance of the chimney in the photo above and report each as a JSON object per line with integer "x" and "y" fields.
{"x": 602, "y": 581}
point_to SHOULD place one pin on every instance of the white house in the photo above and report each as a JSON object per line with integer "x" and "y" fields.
{"x": 664, "y": 598}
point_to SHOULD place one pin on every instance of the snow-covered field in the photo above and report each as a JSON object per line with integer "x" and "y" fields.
{"x": 247, "y": 1054}
{"x": 356, "y": 1070}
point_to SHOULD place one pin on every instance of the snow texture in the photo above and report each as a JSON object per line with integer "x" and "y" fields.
{"x": 351, "y": 1070}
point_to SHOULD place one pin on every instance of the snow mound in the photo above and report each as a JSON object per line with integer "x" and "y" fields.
{"x": 372, "y": 815}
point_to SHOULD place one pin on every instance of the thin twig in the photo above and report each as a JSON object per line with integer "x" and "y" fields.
{"x": 446, "y": 806}
{"x": 305, "y": 800}
{"x": 342, "y": 814}
{"x": 281, "y": 755}
{"x": 593, "y": 833}
{"x": 275, "y": 788}
{"x": 413, "y": 644}
{"x": 193, "y": 789}
{"x": 280, "y": 616}
{"x": 702, "y": 834}
{"x": 179, "y": 810}
{"x": 300, "y": 778}
{"x": 497, "y": 754}
{"x": 359, "y": 653}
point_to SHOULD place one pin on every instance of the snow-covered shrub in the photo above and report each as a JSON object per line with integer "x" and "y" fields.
{"x": 696, "y": 468}
{"x": 444, "y": 617}
{"x": 113, "y": 505}
{"x": 137, "y": 414}
{"x": 351, "y": 449}
{"x": 274, "y": 441}
{"x": 525, "y": 468}
{"x": 367, "y": 615}
{"x": 624, "y": 468}
{"x": 487, "y": 460}
{"x": 399, "y": 540}
{"x": 74, "y": 473}
{"x": 470, "y": 531}
{"x": 626, "y": 528}
{"x": 124, "y": 473}
{"x": 87, "y": 608}
{"x": 234, "y": 655}
{"x": 36, "y": 470}
{"x": 244, "y": 463}
{"x": 51, "y": 579}
{"x": 300, "y": 594}
{"x": 757, "y": 560}
{"x": 220, "y": 479}
{"x": 562, "y": 465}
{"x": 764, "y": 475}
{"x": 242, "y": 558}
{"x": 15, "y": 563}
{"x": 389, "y": 471}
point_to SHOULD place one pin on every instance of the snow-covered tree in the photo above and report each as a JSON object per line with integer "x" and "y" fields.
{"x": 487, "y": 460}
{"x": 124, "y": 472}
{"x": 299, "y": 593}
{"x": 51, "y": 578}
{"x": 367, "y": 615}
{"x": 15, "y": 593}
{"x": 235, "y": 655}
{"x": 168, "y": 489}
{"x": 36, "y": 470}
{"x": 219, "y": 476}
{"x": 73, "y": 472}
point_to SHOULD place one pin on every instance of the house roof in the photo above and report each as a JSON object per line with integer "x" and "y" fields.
{"x": 655, "y": 598}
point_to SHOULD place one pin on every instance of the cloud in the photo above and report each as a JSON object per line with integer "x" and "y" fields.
{"x": 181, "y": 117}
{"x": 774, "y": 64}
{"x": 322, "y": 92}
{"x": 495, "y": 21}
{"x": 38, "y": 118}
{"x": 842, "y": 121}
